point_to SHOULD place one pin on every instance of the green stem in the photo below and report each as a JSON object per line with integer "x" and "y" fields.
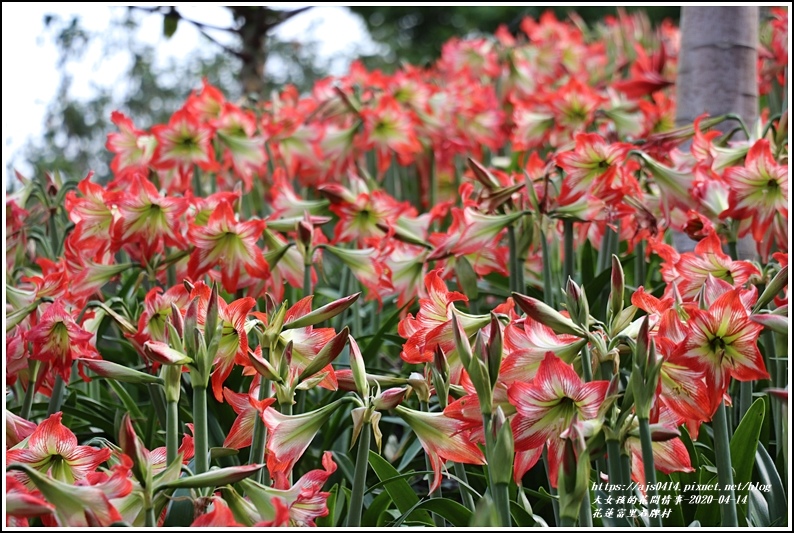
{"x": 639, "y": 264}
{"x": 555, "y": 504}
{"x": 344, "y": 289}
{"x": 158, "y": 402}
{"x": 307, "y": 276}
{"x": 502, "y": 501}
{"x": 56, "y": 399}
{"x": 260, "y": 434}
{"x": 603, "y": 253}
{"x": 513, "y": 245}
{"x": 171, "y": 432}
{"x": 359, "y": 477}
{"x": 655, "y": 519}
{"x": 27, "y": 402}
{"x": 567, "y": 523}
{"x": 615, "y": 471}
{"x": 197, "y": 189}
{"x": 587, "y": 364}
{"x": 53, "y": 230}
{"x": 585, "y": 512}
{"x": 150, "y": 518}
{"x": 171, "y": 274}
{"x": 722, "y": 450}
{"x": 356, "y": 310}
{"x": 201, "y": 432}
{"x": 466, "y": 496}
{"x": 548, "y": 291}
{"x": 567, "y": 268}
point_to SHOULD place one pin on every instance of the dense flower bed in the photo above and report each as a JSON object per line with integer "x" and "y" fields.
{"x": 185, "y": 343}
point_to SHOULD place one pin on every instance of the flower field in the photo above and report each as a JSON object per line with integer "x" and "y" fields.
{"x": 442, "y": 296}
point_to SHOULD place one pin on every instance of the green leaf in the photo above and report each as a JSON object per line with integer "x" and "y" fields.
{"x": 170, "y": 23}
{"x": 757, "y": 510}
{"x": 403, "y": 496}
{"x": 744, "y": 444}
{"x": 769, "y": 477}
{"x": 450, "y": 510}
{"x": 378, "y": 506}
{"x": 346, "y": 466}
{"x": 410, "y": 453}
{"x": 522, "y": 518}
{"x": 377, "y": 339}
{"x": 129, "y": 404}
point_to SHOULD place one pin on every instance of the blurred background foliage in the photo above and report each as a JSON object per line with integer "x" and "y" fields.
{"x": 76, "y": 129}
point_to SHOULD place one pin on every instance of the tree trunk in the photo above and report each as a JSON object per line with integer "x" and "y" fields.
{"x": 717, "y": 75}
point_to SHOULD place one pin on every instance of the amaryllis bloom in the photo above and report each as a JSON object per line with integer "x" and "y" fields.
{"x": 134, "y": 148}
{"x": 219, "y": 517}
{"x": 206, "y": 104}
{"x": 591, "y": 167}
{"x": 471, "y": 232}
{"x": 367, "y": 266}
{"x": 289, "y": 436}
{"x": 52, "y": 449}
{"x": 758, "y": 197}
{"x": 87, "y": 502}
{"x": 723, "y": 341}
{"x": 231, "y": 244}
{"x": 547, "y": 405}
{"x": 184, "y": 142}
{"x": 692, "y": 268}
{"x": 21, "y": 503}
{"x": 17, "y": 429}
{"x": 363, "y": 213}
{"x": 58, "y": 340}
{"x": 433, "y": 324}
{"x": 389, "y": 129}
{"x": 248, "y": 409}
{"x": 443, "y": 440}
{"x": 526, "y": 343}
{"x": 147, "y": 219}
{"x": 156, "y": 310}
{"x": 244, "y": 151}
{"x": 91, "y": 210}
{"x": 646, "y": 74}
{"x": 304, "y": 500}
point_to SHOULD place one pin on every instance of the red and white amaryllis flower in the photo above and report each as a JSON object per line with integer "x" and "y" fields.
{"x": 184, "y": 142}
{"x": 443, "y": 439}
{"x": 231, "y": 244}
{"x": 289, "y": 436}
{"x": 433, "y": 325}
{"x": 591, "y": 167}
{"x": 52, "y": 449}
{"x": 248, "y": 408}
{"x": 547, "y": 405}
{"x": 147, "y": 219}
{"x": 692, "y": 268}
{"x": 58, "y": 340}
{"x": 758, "y": 197}
{"x": 723, "y": 341}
